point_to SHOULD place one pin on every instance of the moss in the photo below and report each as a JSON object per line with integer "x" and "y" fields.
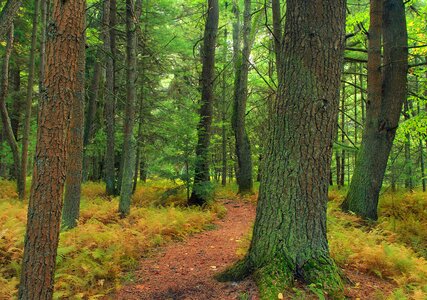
{"x": 325, "y": 275}
{"x": 274, "y": 278}
{"x": 237, "y": 272}
{"x": 279, "y": 275}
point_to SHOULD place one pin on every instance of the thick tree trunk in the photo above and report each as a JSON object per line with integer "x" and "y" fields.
{"x": 7, "y": 15}
{"x": 61, "y": 82}
{"x": 29, "y": 102}
{"x": 110, "y": 98}
{"x": 129, "y": 146}
{"x": 7, "y": 127}
{"x": 243, "y": 147}
{"x": 201, "y": 186}
{"x": 74, "y": 177}
{"x": 289, "y": 238}
{"x": 386, "y": 95}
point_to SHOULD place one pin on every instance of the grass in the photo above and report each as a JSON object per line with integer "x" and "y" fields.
{"x": 96, "y": 257}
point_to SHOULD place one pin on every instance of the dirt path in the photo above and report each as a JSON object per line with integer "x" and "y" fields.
{"x": 185, "y": 270}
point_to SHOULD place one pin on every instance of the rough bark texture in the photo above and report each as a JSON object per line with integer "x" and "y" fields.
{"x": 29, "y": 102}
{"x": 6, "y": 123}
{"x": 199, "y": 195}
{"x": 7, "y": 15}
{"x": 289, "y": 238}
{"x": 386, "y": 94}
{"x": 65, "y": 35}
{"x": 110, "y": 99}
{"x": 74, "y": 178}
{"x": 129, "y": 145}
{"x": 243, "y": 147}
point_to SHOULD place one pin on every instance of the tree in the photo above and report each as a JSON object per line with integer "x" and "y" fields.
{"x": 5, "y": 118}
{"x": 289, "y": 238}
{"x": 200, "y": 192}
{"x": 65, "y": 36}
{"x": 7, "y": 15}
{"x": 109, "y": 36}
{"x": 129, "y": 147}
{"x": 74, "y": 177}
{"x": 241, "y": 57}
{"x": 29, "y": 103}
{"x": 386, "y": 95}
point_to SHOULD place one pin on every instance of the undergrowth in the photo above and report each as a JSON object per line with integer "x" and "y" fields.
{"x": 392, "y": 249}
{"x": 94, "y": 258}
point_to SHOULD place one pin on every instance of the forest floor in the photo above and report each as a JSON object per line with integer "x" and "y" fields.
{"x": 165, "y": 250}
{"x": 186, "y": 269}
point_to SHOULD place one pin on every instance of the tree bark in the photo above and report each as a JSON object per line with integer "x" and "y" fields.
{"x": 289, "y": 238}
{"x": 29, "y": 102}
{"x": 74, "y": 177}
{"x": 386, "y": 95}
{"x": 243, "y": 147}
{"x": 63, "y": 47}
{"x": 201, "y": 185}
{"x": 7, "y": 15}
{"x": 129, "y": 147}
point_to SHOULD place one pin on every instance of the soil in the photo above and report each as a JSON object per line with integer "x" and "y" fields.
{"x": 185, "y": 270}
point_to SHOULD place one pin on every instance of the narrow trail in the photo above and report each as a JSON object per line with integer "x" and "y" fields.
{"x": 185, "y": 270}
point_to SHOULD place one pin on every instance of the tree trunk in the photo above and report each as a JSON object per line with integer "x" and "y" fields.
{"x": 110, "y": 98}
{"x": 74, "y": 177}
{"x": 7, "y": 127}
{"x": 243, "y": 147}
{"x": 408, "y": 159}
{"x": 386, "y": 94}
{"x": 129, "y": 146}
{"x": 224, "y": 114}
{"x": 89, "y": 124}
{"x": 343, "y": 153}
{"x": 7, "y": 15}
{"x": 289, "y": 238}
{"x": 29, "y": 102}
{"x": 17, "y": 105}
{"x": 201, "y": 186}
{"x": 65, "y": 33}
{"x": 277, "y": 34}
